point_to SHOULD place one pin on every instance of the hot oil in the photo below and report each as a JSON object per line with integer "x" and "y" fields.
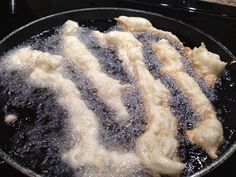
{"x": 47, "y": 41}
{"x": 225, "y": 104}
{"x": 114, "y": 135}
{"x": 107, "y": 57}
{"x": 35, "y": 139}
{"x": 180, "y": 105}
{"x": 179, "y": 102}
{"x": 195, "y": 157}
{"x": 42, "y": 133}
{"x": 147, "y": 38}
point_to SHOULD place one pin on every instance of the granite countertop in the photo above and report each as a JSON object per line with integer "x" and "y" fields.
{"x": 226, "y": 2}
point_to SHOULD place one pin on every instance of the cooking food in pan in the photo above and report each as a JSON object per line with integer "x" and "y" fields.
{"x": 124, "y": 102}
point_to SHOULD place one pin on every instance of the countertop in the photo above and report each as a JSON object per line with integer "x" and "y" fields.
{"x": 226, "y": 2}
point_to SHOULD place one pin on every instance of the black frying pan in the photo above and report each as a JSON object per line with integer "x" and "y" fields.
{"x": 102, "y": 19}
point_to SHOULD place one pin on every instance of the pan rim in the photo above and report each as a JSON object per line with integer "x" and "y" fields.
{"x": 203, "y": 171}
{"x": 117, "y": 9}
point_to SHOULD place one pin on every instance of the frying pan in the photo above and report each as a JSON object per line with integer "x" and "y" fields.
{"x": 102, "y": 19}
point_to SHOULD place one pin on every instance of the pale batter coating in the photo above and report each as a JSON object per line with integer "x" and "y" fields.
{"x": 158, "y": 145}
{"x": 156, "y": 150}
{"x": 138, "y": 24}
{"x": 109, "y": 89}
{"x": 11, "y": 118}
{"x": 172, "y": 65}
{"x": 208, "y": 64}
{"x": 88, "y": 151}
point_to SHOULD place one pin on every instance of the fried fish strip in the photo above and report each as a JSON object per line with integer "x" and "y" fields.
{"x": 109, "y": 89}
{"x": 158, "y": 145}
{"x": 209, "y": 131}
{"x": 138, "y": 24}
{"x": 173, "y": 66}
{"x": 207, "y": 64}
{"x": 46, "y": 69}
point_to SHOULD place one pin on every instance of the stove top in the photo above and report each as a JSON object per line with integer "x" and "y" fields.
{"x": 217, "y": 20}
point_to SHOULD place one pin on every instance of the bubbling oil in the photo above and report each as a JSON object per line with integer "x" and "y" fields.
{"x": 34, "y": 140}
{"x": 42, "y": 131}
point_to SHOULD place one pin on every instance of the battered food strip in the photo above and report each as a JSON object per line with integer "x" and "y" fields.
{"x": 209, "y": 132}
{"x": 109, "y": 89}
{"x": 173, "y": 64}
{"x": 207, "y": 64}
{"x": 138, "y": 24}
{"x": 46, "y": 70}
{"x": 157, "y": 147}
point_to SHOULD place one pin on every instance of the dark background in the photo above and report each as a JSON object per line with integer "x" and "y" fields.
{"x": 217, "y": 20}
